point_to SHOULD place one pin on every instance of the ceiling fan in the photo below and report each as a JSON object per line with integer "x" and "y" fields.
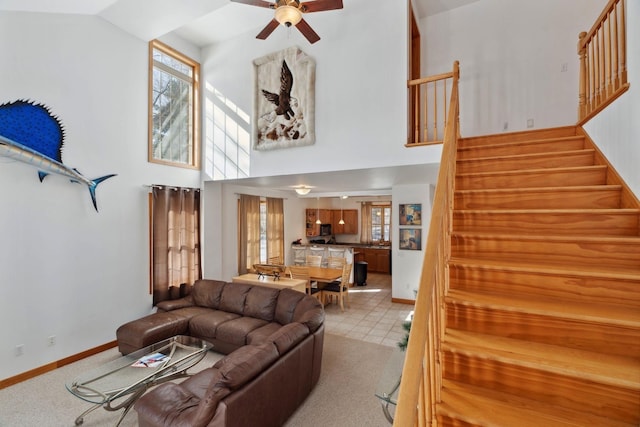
{"x": 289, "y": 12}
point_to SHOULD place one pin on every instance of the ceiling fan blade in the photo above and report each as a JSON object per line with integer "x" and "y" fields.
{"x": 307, "y": 31}
{"x": 320, "y": 5}
{"x": 259, "y": 3}
{"x": 266, "y": 31}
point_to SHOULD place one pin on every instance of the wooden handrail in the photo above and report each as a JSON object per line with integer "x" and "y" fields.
{"x": 603, "y": 62}
{"x": 422, "y": 375}
{"x": 425, "y": 128}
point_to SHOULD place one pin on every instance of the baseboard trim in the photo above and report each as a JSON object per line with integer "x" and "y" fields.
{"x": 404, "y": 301}
{"x": 55, "y": 365}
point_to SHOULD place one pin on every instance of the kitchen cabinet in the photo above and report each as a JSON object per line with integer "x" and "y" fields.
{"x": 312, "y": 215}
{"x": 350, "y": 217}
{"x": 378, "y": 260}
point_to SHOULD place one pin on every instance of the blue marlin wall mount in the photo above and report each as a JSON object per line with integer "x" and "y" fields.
{"x": 30, "y": 134}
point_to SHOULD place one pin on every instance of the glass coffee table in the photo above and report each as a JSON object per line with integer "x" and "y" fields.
{"x": 119, "y": 383}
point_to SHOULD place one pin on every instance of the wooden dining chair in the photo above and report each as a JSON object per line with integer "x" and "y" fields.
{"x": 314, "y": 260}
{"x": 301, "y": 272}
{"x": 335, "y": 262}
{"x": 340, "y": 287}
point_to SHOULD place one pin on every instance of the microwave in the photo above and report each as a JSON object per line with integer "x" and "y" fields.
{"x": 325, "y": 229}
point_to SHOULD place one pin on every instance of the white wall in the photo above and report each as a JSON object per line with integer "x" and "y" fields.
{"x": 67, "y": 270}
{"x": 361, "y": 72}
{"x": 511, "y": 55}
{"x": 407, "y": 264}
{"x": 616, "y": 130}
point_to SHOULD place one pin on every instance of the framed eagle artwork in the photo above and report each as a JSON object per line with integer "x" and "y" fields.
{"x": 284, "y": 104}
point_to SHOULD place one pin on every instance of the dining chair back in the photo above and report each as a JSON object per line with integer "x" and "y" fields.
{"x": 335, "y": 262}
{"x": 339, "y": 288}
{"x": 314, "y": 260}
{"x": 301, "y": 272}
{"x": 299, "y": 255}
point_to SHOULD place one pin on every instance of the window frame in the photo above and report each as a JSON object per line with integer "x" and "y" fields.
{"x": 194, "y": 152}
{"x": 383, "y": 223}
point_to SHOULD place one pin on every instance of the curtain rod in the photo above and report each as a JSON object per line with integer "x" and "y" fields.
{"x": 171, "y": 187}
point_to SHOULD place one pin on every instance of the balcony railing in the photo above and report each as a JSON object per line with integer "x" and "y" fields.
{"x": 428, "y": 107}
{"x": 603, "y": 62}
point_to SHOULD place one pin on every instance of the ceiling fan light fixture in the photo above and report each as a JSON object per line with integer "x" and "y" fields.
{"x": 303, "y": 190}
{"x": 288, "y": 15}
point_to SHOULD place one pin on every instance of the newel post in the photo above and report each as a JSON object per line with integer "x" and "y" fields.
{"x": 582, "y": 89}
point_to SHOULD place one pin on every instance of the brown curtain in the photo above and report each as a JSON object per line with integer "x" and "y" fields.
{"x": 175, "y": 239}
{"x": 365, "y": 214}
{"x": 249, "y": 232}
{"x": 275, "y": 228}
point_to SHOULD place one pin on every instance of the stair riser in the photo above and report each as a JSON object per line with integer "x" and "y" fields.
{"x": 582, "y": 335}
{"x": 562, "y": 223}
{"x": 575, "y": 159}
{"x": 540, "y": 178}
{"x": 520, "y": 148}
{"x": 623, "y": 253}
{"x": 590, "y": 290}
{"x": 561, "y": 132}
{"x": 607, "y": 401}
{"x": 536, "y": 199}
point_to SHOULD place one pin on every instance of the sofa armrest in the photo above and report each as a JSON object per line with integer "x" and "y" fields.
{"x": 175, "y": 304}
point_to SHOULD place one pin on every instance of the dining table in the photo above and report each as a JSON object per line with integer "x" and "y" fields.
{"x": 324, "y": 274}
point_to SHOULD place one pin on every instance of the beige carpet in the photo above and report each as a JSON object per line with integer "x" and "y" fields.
{"x": 343, "y": 397}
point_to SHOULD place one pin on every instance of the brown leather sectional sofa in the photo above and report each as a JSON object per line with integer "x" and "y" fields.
{"x": 273, "y": 340}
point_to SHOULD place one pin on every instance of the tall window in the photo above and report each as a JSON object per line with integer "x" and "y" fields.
{"x": 260, "y": 231}
{"x": 173, "y": 107}
{"x": 381, "y": 223}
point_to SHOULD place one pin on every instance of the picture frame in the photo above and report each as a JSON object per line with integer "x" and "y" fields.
{"x": 410, "y": 214}
{"x": 411, "y": 239}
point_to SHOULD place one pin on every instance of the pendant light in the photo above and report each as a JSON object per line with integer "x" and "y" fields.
{"x": 341, "y": 222}
{"x": 318, "y": 211}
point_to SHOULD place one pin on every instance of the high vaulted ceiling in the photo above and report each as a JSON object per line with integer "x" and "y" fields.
{"x": 202, "y": 22}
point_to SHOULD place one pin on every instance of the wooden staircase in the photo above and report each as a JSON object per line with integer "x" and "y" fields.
{"x": 543, "y": 307}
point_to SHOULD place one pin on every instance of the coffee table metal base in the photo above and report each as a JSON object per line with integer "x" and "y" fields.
{"x": 118, "y": 384}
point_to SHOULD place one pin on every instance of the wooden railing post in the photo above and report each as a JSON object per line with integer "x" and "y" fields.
{"x": 582, "y": 89}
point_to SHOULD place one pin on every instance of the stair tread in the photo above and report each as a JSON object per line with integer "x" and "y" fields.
{"x": 604, "y": 187}
{"x": 597, "y": 313}
{"x": 558, "y": 139}
{"x": 603, "y": 368}
{"x": 609, "y": 211}
{"x": 525, "y": 156}
{"x": 546, "y": 269}
{"x": 509, "y": 410}
{"x": 532, "y": 171}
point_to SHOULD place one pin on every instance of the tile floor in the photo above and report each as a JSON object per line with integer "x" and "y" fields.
{"x": 371, "y": 316}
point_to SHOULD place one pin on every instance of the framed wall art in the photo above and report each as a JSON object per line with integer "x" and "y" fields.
{"x": 411, "y": 239}
{"x": 284, "y": 100}
{"x": 411, "y": 214}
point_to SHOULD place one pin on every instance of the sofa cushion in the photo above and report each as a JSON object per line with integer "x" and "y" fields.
{"x": 165, "y": 405}
{"x": 261, "y": 303}
{"x": 235, "y": 331}
{"x": 169, "y": 305}
{"x": 309, "y": 312}
{"x": 262, "y": 334}
{"x": 205, "y": 325}
{"x": 245, "y": 363}
{"x": 206, "y": 293}
{"x": 233, "y": 297}
{"x": 287, "y": 301}
{"x": 288, "y": 336}
{"x": 150, "y": 329}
